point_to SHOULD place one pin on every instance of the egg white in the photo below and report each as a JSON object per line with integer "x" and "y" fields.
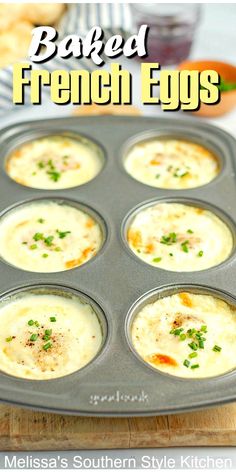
{"x": 76, "y": 336}
{"x": 171, "y": 163}
{"x": 76, "y": 161}
{"x": 18, "y": 228}
{"x": 209, "y": 240}
{"x": 164, "y": 351}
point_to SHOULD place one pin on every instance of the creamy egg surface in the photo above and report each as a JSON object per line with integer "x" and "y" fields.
{"x": 55, "y": 162}
{"x": 179, "y": 237}
{"x": 187, "y": 335}
{"x": 48, "y": 237}
{"x": 44, "y": 336}
{"x": 171, "y": 163}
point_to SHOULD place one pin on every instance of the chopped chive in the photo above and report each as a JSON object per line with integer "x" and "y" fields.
{"x": 31, "y": 322}
{"x": 54, "y": 175}
{"x": 57, "y": 249}
{"x": 176, "y": 331}
{"x": 201, "y": 344}
{"x": 41, "y": 165}
{"x": 171, "y": 254}
{"x": 198, "y": 335}
{"x": 8, "y": 340}
{"x": 41, "y": 220}
{"x": 38, "y": 236}
{"x": 191, "y": 331}
{"x": 37, "y": 324}
{"x": 47, "y": 346}
{"x": 204, "y": 328}
{"x": 156, "y": 259}
{"x": 157, "y": 176}
{"x": 45, "y": 255}
{"x": 48, "y": 241}
{"x": 33, "y": 337}
{"x": 195, "y": 366}
{"x": 182, "y": 337}
{"x": 53, "y": 319}
{"x": 170, "y": 239}
{"x": 62, "y": 234}
{"x": 190, "y": 231}
{"x": 48, "y": 332}
{"x": 50, "y": 164}
{"x": 184, "y": 246}
{"x": 24, "y": 242}
{"x": 192, "y": 355}
{"x": 193, "y": 346}
{"x": 200, "y": 254}
{"x": 180, "y": 174}
{"x": 217, "y": 348}
{"x": 46, "y": 338}
{"x": 33, "y": 246}
{"x": 186, "y": 363}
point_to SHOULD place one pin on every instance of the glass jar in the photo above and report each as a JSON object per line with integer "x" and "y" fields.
{"x": 172, "y": 27}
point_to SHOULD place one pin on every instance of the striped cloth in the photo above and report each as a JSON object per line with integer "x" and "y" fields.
{"x": 114, "y": 18}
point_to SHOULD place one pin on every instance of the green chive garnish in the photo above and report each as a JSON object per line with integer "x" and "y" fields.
{"x": 190, "y": 231}
{"x": 176, "y": 331}
{"x": 184, "y": 246}
{"x": 41, "y": 220}
{"x": 192, "y": 355}
{"x": 47, "y": 346}
{"x": 217, "y": 348}
{"x": 46, "y": 338}
{"x": 200, "y": 254}
{"x": 204, "y": 328}
{"x": 171, "y": 238}
{"x": 33, "y": 337}
{"x": 53, "y": 319}
{"x": 38, "y": 236}
{"x": 180, "y": 173}
{"x": 193, "y": 346}
{"x": 201, "y": 344}
{"x": 8, "y": 340}
{"x": 48, "y": 332}
{"x": 41, "y": 165}
{"x": 191, "y": 331}
{"x": 195, "y": 366}
{"x": 45, "y": 255}
{"x": 33, "y": 246}
{"x": 198, "y": 335}
{"x": 182, "y": 337}
{"x": 62, "y": 234}
{"x": 48, "y": 241}
{"x": 157, "y": 259}
{"x": 186, "y": 363}
{"x": 31, "y": 322}
{"x": 54, "y": 175}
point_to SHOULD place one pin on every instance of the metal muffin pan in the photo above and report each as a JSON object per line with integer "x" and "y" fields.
{"x": 117, "y": 382}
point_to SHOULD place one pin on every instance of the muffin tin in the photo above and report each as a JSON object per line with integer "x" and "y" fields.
{"x": 117, "y": 382}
